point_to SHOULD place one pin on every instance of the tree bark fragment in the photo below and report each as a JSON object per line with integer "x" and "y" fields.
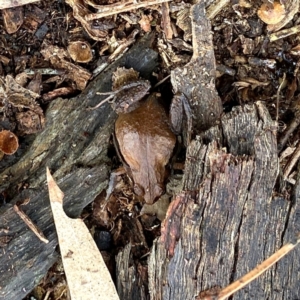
{"x": 74, "y": 146}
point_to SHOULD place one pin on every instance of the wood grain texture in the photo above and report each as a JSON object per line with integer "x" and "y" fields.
{"x": 226, "y": 222}
{"x": 74, "y": 146}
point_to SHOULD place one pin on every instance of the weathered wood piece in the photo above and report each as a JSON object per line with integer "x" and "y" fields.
{"x": 225, "y": 221}
{"x": 74, "y": 146}
{"x": 196, "y": 80}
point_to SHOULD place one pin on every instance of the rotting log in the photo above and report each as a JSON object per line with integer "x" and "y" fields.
{"x": 227, "y": 218}
{"x": 74, "y": 146}
{"x": 226, "y": 221}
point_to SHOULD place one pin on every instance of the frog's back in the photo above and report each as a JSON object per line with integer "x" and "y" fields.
{"x": 146, "y": 142}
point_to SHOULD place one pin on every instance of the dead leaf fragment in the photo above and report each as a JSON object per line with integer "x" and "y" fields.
{"x": 57, "y": 57}
{"x": 80, "y": 12}
{"x": 8, "y": 142}
{"x": 86, "y": 272}
{"x": 14, "y": 96}
{"x": 295, "y": 50}
{"x": 271, "y": 14}
{"x": 80, "y": 51}
{"x": 145, "y": 22}
{"x": 15, "y": 3}
{"x": 13, "y": 19}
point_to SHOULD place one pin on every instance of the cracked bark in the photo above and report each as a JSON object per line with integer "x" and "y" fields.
{"x": 225, "y": 222}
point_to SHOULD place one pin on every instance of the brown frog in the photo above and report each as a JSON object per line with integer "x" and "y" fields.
{"x": 144, "y": 136}
{"x": 146, "y": 143}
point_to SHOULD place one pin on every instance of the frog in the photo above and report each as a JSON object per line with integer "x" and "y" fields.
{"x": 145, "y": 135}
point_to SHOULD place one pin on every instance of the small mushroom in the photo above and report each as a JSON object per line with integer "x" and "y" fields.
{"x": 8, "y": 142}
{"x": 80, "y": 51}
{"x": 271, "y": 14}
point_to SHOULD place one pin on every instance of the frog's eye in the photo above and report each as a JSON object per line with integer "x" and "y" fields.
{"x": 138, "y": 190}
{"x": 158, "y": 190}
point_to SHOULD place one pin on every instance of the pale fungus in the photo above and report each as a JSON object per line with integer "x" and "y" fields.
{"x": 271, "y": 13}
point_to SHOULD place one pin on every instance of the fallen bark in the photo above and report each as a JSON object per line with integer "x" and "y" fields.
{"x": 74, "y": 146}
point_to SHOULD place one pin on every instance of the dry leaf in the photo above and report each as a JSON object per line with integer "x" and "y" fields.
{"x": 58, "y": 58}
{"x": 13, "y": 19}
{"x": 86, "y": 272}
{"x": 15, "y": 3}
{"x": 145, "y": 22}
{"x": 291, "y": 8}
{"x": 80, "y": 11}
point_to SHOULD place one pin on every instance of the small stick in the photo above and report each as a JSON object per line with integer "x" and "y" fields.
{"x": 291, "y": 162}
{"x": 215, "y": 8}
{"x": 109, "y": 10}
{"x": 284, "y": 33}
{"x": 261, "y": 268}
{"x": 278, "y": 95}
{"x": 290, "y": 129}
{"x": 30, "y": 224}
{"x": 112, "y": 95}
{"x": 162, "y": 81}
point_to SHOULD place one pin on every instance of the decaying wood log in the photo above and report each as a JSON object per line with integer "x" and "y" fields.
{"x": 74, "y": 146}
{"x": 226, "y": 219}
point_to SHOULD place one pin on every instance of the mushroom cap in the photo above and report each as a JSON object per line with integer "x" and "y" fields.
{"x": 271, "y": 14}
{"x": 80, "y": 51}
{"x": 8, "y": 142}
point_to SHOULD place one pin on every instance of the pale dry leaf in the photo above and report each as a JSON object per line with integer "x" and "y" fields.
{"x": 80, "y": 11}
{"x": 59, "y": 59}
{"x": 86, "y": 272}
{"x": 145, "y": 22}
{"x": 10, "y": 3}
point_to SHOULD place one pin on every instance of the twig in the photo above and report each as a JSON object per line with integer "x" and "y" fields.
{"x": 289, "y": 166}
{"x": 290, "y": 129}
{"x": 47, "y": 295}
{"x": 294, "y": 123}
{"x": 30, "y": 224}
{"x": 114, "y": 9}
{"x": 215, "y": 8}
{"x": 161, "y": 81}
{"x": 284, "y": 33}
{"x": 166, "y": 21}
{"x": 278, "y": 96}
{"x": 261, "y": 268}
